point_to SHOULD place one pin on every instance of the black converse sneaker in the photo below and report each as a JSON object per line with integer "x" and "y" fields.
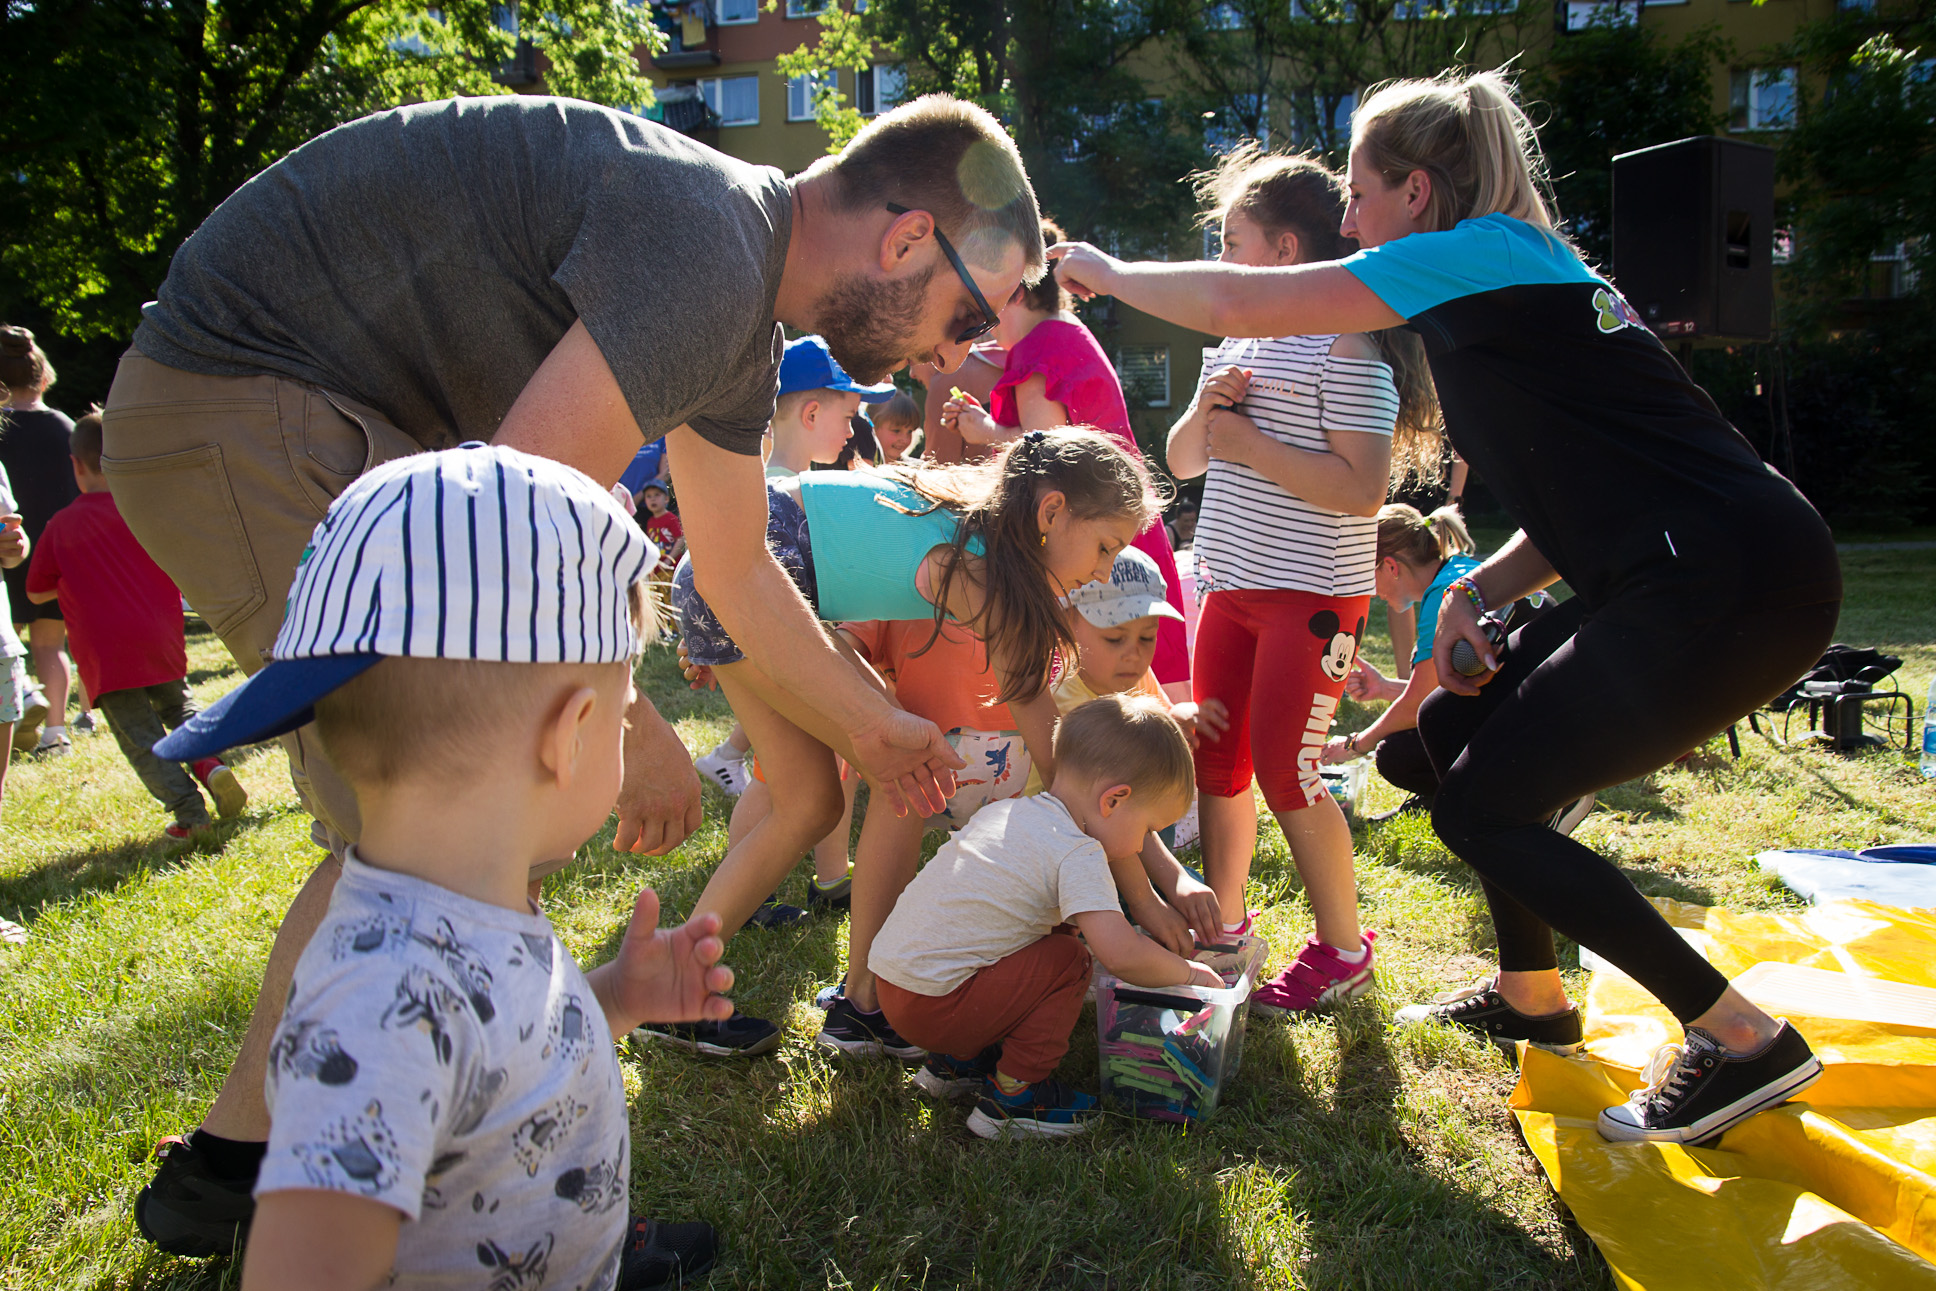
{"x": 1480, "y": 1008}
{"x": 1698, "y": 1091}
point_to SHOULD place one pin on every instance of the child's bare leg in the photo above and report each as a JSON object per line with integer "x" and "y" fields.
{"x": 806, "y": 802}
{"x": 884, "y": 864}
{"x": 1229, "y": 830}
{"x": 1320, "y": 842}
{"x": 749, "y": 809}
{"x": 830, "y": 853}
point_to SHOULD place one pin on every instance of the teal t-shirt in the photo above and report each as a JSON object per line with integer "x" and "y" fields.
{"x": 869, "y": 535}
{"x": 1428, "y": 604}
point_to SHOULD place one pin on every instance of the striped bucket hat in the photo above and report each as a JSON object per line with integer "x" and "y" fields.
{"x": 475, "y": 552}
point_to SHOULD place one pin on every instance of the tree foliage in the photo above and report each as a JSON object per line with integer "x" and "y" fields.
{"x": 1610, "y": 89}
{"x": 130, "y": 120}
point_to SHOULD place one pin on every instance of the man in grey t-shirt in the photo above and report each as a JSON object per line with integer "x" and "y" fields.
{"x": 571, "y": 281}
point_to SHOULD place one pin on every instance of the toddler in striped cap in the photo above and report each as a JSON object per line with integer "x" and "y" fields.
{"x": 443, "y": 1089}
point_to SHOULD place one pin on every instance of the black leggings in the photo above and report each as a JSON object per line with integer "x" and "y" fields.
{"x": 1584, "y": 701}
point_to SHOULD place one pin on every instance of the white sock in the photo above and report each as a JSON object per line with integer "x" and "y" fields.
{"x": 1351, "y": 956}
{"x": 725, "y": 750}
{"x": 1234, "y": 928}
{"x": 51, "y": 729}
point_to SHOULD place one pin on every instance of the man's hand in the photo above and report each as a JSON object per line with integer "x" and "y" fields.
{"x": 13, "y": 540}
{"x": 664, "y": 974}
{"x": 1233, "y": 437}
{"x": 1084, "y": 270}
{"x": 1199, "y": 907}
{"x": 659, "y": 802}
{"x": 910, "y": 759}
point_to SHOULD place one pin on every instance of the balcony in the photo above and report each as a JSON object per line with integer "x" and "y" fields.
{"x": 692, "y": 34}
{"x": 684, "y": 108}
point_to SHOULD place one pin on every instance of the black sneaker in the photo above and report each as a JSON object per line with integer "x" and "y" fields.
{"x": 1410, "y": 806}
{"x": 863, "y": 1035}
{"x": 775, "y": 913}
{"x": 1698, "y": 1091}
{"x": 950, "y": 1078}
{"x": 1048, "y": 1107}
{"x": 666, "y": 1255}
{"x": 838, "y": 897}
{"x": 1480, "y": 1008}
{"x": 739, "y": 1036}
{"x": 187, "y": 1210}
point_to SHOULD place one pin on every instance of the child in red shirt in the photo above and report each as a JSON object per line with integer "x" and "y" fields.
{"x": 124, "y": 621}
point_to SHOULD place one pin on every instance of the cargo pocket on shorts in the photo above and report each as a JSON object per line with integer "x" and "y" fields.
{"x": 204, "y": 546}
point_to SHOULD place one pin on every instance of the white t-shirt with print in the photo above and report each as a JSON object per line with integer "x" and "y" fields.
{"x": 1253, "y": 534}
{"x": 1017, "y": 869}
{"x": 446, "y": 1057}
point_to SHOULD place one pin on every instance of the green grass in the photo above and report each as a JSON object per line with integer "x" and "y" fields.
{"x": 1346, "y": 1155}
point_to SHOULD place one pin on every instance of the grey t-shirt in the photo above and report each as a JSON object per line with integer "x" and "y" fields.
{"x": 1001, "y": 882}
{"x": 446, "y": 1058}
{"x": 424, "y": 261}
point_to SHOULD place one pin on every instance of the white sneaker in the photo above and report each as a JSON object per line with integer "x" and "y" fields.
{"x": 724, "y": 770}
{"x": 1187, "y": 829}
{"x": 53, "y": 744}
{"x": 1568, "y": 818}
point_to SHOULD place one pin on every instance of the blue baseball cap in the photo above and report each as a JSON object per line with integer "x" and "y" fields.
{"x": 809, "y": 365}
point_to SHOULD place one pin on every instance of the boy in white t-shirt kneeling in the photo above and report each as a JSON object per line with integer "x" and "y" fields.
{"x": 976, "y": 963}
{"x": 445, "y": 1102}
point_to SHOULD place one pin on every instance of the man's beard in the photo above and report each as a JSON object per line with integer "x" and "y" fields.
{"x": 870, "y": 325}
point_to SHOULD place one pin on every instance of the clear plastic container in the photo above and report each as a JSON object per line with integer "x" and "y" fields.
{"x": 1347, "y": 782}
{"x": 1169, "y": 1052}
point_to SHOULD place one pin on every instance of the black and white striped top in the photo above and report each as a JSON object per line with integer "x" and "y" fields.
{"x": 1252, "y": 534}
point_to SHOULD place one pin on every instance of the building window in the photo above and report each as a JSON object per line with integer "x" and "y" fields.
{"x": 1232, "y": 125}
{"x": 736, "y": 99}
{"x": 734, "y": 13}
{"x": 1761, "y": 98}
{"x": 1145, "y": 372}
{"x": 1222, "y": 16}
{"x": 880, "y": 88}
{"x": 804, "y": 8}
{"x": 800, "y": 93}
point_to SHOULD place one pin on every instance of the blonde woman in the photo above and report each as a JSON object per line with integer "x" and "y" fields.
{"x": 1627, "y": 482}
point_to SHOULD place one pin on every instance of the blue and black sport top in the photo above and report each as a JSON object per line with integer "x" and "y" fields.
{"x": 1620, "y": 469}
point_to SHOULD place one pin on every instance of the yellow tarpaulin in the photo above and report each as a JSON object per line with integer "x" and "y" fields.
{"x": 1830, "y": 1192}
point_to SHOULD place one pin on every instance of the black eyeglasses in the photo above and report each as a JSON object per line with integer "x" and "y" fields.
{"x": 974, "y": 331}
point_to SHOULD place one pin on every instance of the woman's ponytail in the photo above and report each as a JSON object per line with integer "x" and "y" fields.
{"x": 1469, "y": 135}
{"x": 1449, "y": 531}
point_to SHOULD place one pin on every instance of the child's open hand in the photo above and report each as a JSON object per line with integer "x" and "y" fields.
{"x": 1204, "y": 720}
{"x": 664, "y": 974}
{"x": 1169, "y": 927}
{"x": 1204, "y": 975}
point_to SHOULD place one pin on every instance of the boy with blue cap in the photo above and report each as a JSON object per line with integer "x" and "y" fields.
{"x": 442, "y": 1088}
{"x": 813, "y": 416}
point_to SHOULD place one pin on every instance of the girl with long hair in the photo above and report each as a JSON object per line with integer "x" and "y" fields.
{"x": 992, "y": 547}
{"x": 1295, "y": 437}
{"x": 1625, "y": 479}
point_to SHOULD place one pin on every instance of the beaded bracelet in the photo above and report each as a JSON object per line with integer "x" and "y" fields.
{"x": 1471, "y": 590}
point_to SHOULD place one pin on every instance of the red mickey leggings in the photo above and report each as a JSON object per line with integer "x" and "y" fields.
{"x": 1278, "y": 660}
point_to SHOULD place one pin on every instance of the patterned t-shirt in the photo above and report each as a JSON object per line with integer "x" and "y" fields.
{"x": 446, "y": 1057}
{"x": 1254, "y": 534}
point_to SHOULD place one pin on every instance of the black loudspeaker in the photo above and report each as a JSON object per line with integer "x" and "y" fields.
{"x": 1694, "y": 237}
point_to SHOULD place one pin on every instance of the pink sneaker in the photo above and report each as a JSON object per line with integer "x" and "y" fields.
{"x": 1316, "y": 979}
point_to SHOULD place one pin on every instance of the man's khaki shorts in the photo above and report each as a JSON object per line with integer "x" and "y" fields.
{"x": 223, "y": 479}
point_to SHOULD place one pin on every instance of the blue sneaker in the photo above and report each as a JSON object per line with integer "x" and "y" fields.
{"x": 1046, "y": 1107}
{"x": 952, "y": 1078}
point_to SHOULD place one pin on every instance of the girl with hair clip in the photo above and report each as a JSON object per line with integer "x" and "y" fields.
{"x": 1678, "y": 542}
{"x": 992, "y": 547}
{"x": 1295, "y": 436}
{"x": 1055, "y": 374}
{"x": 1418, "y": 557}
